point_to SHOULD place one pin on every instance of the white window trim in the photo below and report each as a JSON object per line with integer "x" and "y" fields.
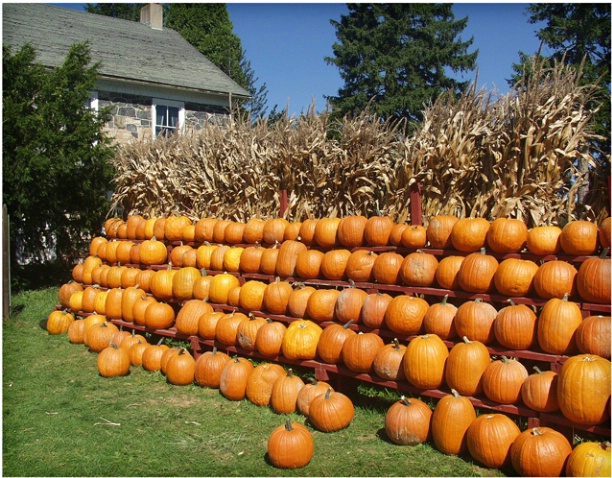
{"x": 176, "y": 104}
{"x": 93, "y": 101}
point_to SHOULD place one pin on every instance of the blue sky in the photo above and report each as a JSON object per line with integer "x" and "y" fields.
{"x": 287, "y": 43}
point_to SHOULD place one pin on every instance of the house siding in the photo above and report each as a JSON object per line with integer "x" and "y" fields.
{"x": 131, "y": 117}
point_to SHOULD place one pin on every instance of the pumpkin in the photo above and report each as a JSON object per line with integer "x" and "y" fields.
{"x": 207, "y": 324}
{"x": 308, "y": 264}
{"x": 477, "y": 271}
{"x": 159, "y": 228}
{"x": 350, "y": 231}
{"x": 489, "y": 438}
{"x": 554, "y": 279}
{"x": 208, "y": 368}
{"x": 234, "y": 377}
{"x": 135, "y": 253}
{"x": 557, "y": 324}
{"x": 514, "y": 277}
{"x": 583, "y": 390}
{"x": 414, "y": 237}
{"x": 180, "y": 369}
{"x": 321, "y": 305}
{"x": 204, "y": 254}
{"x": 260, "y": 383}
{"x": 439, "y": 231}
{"x": 359, "y": 351}
{"x": 76, "y": 331}
{"x": 408, "y": 422}
{"x": 251, "y": 295}
{"x": 503, "y": 379}
{"x": 113, "y": 361}
{"x": 128, "y": 277}
{"x": 440, "y": 319}
{"x": 515, "y": 327}
{"x": 466, "y": 363}
{"x": 276, "y": 297}
{"x": 507, "y": 235}
{"x": 395, "y": 237}
{"x": 132, "y": 225}
{"x": 234, "y": 232}
{"x": 220, "y": 286}
{"x": 307, "y": 231}
{"x": 90, "y": 322}
{"x": 231, "y": 259}
{"x": 246, "y": 334}
{"x": 159, "y": 315}
{"x": 118, "y": 337}
{"x": 133, "y": 338}
{"x": 149, "y": 228}
{"x": 253, "y": 230}
{"x": 540, "y": 451}
{"x": 298, "y": 300}
{"x": 129, "y": 297}
{"x": 377, "y": 230}
{"x": 475, "y": 320}
{"x": 404, "y": 314}
{"x": 226, "y": 331}
{"x": 136, "y": 352}
{"x": 285, "y": 392}
{"x": 89, "y": 264}
{"x": 188, "y": 317}
{"x": 386, "y": 267}
{"x": 418, "y": 269}
{"x": 250, "y": 259}
{"x": 373, "y": 310}
{"x": 114, "y": 304}
{"x": 589, "y": 459}
{"x": 331, "y": 341}
{"x": 204, "y": 229}
{"x": 544, "y": 240}
{"x": 123, "y": 251}
{"x": 219, "y": 230}
{"x": 292, "y": 231}
{"x": 539, "y": 391}
{"x": 111, "y": 225}
{"x": 89, "y": 296}
{"x": 593, "y": 336}
{"x": 140, "y": 308}
{"x": 425, "y": 361}
{"x": 151, "y": 357}
{"x": 269, "y": 338}
{"x": 604, "y": 232}
{"x": 349, "y": 303}
{"x": 58, "y": 322}
{"x": 300, "y": 340}
{"x": 470, "y": 234}
{"x": 388, "y": 363}
{"x": 161, "y": 283}
{"x": 95, "y": 243}
{"x": 290, "y": 446}
{"x": 173, "y": 228}
{"x": 115, "y": 274}
{"x": 447, "y": 273}
{"x": 201, "y": 286}
{"x": 233, "y": 296}
{"x": 217, "y": 257}
{"x": 326, "y": 231}
{"x": 269, "y": 258}
{"x": 579, "y": 238}
{"x": 143, "y": 279}
{"x": 450, "y": 421}
{"x": 359, "y": 265}
{"x": 99, "y": 336}
{"x": 311, "y": 389}
{"x": 593, "y": 279}
{"x": 333, "y": 265}
{"x": 331, "y": 411}
{"x": 274, "y": 230}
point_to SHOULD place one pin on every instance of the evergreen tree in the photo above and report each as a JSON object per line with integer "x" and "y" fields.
{"x": 578, "y": 34}
{"x": 126, "y": 11}
{"x": 55, "y": 166}
{"x": 395, "y": 57}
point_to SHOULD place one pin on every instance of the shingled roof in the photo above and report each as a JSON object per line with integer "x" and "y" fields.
{"x": 127, "y": 50}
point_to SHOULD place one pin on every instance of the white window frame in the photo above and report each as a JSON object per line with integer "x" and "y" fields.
{"x": 93, "y": 101}
{"x": 176, "y": 104}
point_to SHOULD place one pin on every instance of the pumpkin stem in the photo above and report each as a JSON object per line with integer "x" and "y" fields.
{"x": 290, "y": 373}
{"x": 565, "y": 297}
{"x": 161, "y": 341}
{"x": 466, "y": 340}
{"x": 348, "y": 324}
{"x": 328, "y": 393}
{"x": 444, "y": 299}
{"x": 536, "y": 432}
{"x": 604, "y": 253}
{"x": 352, "y": 283}
{"x": 511, "y": 302}
{"x": 288, "y": 426}
{"x": 405, "y": 401}
{"x": 214, "y": 350}
{"x": 505, "y": 359}
{"x": 483, "y": 250}
{"x": 396, "y": 344}
{"x": 537, "y": 369}
{"x": 455, "y": 393}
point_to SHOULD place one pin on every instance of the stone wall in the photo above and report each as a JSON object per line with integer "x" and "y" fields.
{"x": 131, "y": 116}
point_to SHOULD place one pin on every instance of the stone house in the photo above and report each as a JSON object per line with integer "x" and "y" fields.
{"x": 153, "y": 79}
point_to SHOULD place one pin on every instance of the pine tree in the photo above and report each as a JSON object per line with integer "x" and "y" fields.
{"x": 395, "y": 57}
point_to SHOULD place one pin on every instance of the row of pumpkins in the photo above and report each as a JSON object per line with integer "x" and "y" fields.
{"x": 493, "y": 439}
{"x": 476, "y": 272}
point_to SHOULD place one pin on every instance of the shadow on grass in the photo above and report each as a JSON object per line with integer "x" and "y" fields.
{"x": 39, "y": 276}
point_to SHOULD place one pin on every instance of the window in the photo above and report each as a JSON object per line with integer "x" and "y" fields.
{"x": 169, "y": 117}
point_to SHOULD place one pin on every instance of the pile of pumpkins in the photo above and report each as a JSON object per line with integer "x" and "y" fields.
{"x": 330, "y": 248}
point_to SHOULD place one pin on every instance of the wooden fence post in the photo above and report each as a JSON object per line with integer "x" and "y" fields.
{"x": 6, "y": 264}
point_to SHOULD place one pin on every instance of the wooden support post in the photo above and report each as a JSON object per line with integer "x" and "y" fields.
{"x": 283, "y": 203}
{"x": 416, "y": 209}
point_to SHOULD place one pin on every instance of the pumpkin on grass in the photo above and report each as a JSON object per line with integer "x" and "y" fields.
{"x": 450, "y": 421}
{"x": 234, "y": 376}
{"x": 151, "y": 357}
{"x": 285, "y": 392}
{"x": 408, "y": 422}
{"x": 290, "y": 446}
{"x": 331, "y": 411}
{"x": 260, "y": 382}
{"x": 113, "y": 361}
{"x": 208, "y": 368}
{"x": 311, "y": 389}
{"x": 58, "y": 322}
{"x": 489, "y": 438}
{"x": 540, "y": 451}
{"x": 589, "y": 459}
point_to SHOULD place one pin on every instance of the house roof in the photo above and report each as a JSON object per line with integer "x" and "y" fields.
{"x": 127, "y": 50}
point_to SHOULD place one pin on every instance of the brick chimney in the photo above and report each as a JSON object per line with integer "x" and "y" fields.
{"x": 152, "y": 14}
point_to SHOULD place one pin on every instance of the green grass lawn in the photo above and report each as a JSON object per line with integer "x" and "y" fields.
{"x": 60, "y": 418}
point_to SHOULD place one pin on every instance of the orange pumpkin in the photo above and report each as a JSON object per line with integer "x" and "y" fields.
{"x": 507, "y": 235}
{"x": 470, "y": 234}
{"x": 554, "y": 279}
{"x": 404, "y": 314}
{"x": 544, "y": 240}
{"x": 474, "y": 319}
{"x": 477, "y": 271}
{"x": 377, "y": 230}
{"x": 439, "y": 231}
{"x": 425, "y": 362}
{"x": 514, "y": 277}
{"x": 414, "y": 237}
{"x": 540, "y": 451}
{"x": 557, "y": 324}
{"x": 418, "y": 269}
{"x": 489, "y": 438}
{"x": 440, "y": 319}
{"x": 359, "y": 351}
{"x": 408, "y": 422}
{"x": 450, "y": 421}
{"x": 593, "y": 336}
{"x": 301, "y": 339}
{"x": 466, "y": 363}
{"x": 579, "y": 238}
{"x": 350, "y": 231}
{"x": 503, "y": 379}
{"x": 253, "y": 231}
{"x": 593, "y": 279}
